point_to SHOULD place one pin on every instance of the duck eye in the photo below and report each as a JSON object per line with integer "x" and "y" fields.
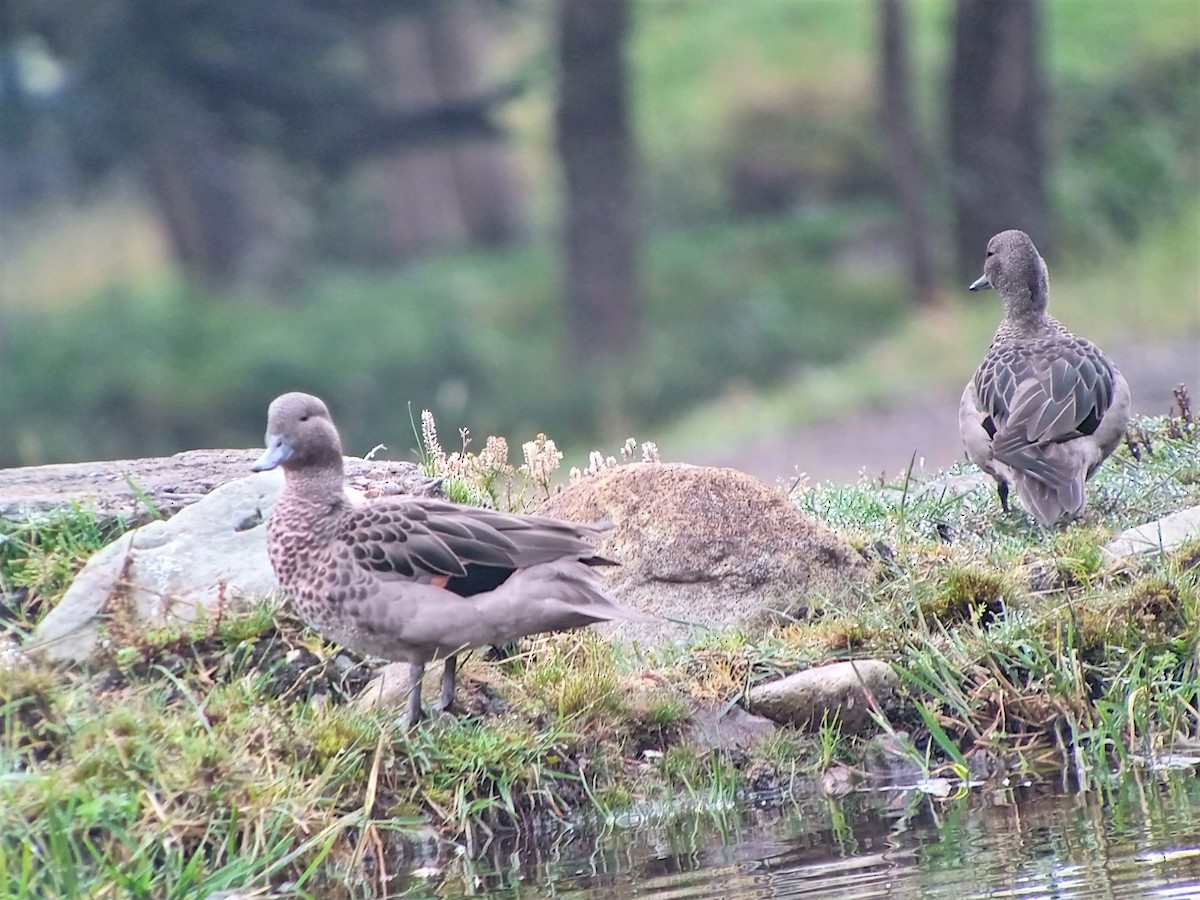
{"x": 304, "y": 418}
{"x": 991, "y": 253}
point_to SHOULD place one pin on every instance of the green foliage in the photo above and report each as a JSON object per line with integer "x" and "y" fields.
{"x": 1132, "y": 145}
{"x": 470, "y": 337}
{"x": 1008, "y": 634}
{"x": 41, "y": 555}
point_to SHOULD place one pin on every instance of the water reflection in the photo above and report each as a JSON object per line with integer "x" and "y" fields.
{"x": 1139, "y": 839}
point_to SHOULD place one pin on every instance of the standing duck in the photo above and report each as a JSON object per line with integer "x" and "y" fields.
{"x": 416, "y": 579}
{"x": 1045, "y": 407}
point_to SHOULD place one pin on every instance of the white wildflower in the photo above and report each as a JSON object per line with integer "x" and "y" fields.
{"x": 429, "y": 436}
{"x": 649, "y": 452}
{"x": 595, "y": 463}
{"x": 493, "y": 458}
{"x": 542, "y": 458}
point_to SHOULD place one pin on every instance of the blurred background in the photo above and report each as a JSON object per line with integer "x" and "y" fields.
{"x": 742, "y": 228}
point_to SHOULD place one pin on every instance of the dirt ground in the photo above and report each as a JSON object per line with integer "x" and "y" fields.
{"x": 883, "y": 441}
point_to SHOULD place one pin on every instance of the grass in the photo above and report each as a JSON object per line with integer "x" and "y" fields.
{"x": 232, "y": 755}
{"x": 40, "y": 555}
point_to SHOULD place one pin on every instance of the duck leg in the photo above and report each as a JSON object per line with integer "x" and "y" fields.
{"x": 448, "y": 674}
{"x": 416, "y": 672}
{"x": 1002, "y": 490}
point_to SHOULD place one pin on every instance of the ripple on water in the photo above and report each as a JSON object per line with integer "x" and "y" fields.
{"x": 1141, "y": 839}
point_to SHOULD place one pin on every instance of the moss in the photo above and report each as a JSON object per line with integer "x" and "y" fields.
{"x": 967, "y": 594}
{"x": 1185, "y": 559}
{"x": 1093, "y": 627}
{"x": 33, "y": 730}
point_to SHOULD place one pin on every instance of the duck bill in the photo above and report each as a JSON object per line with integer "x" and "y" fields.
{"x": 980, "y": 284}
{"x": 279, "y": 451}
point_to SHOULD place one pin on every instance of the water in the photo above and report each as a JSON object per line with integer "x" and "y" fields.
{"x": 1139, "y": 839}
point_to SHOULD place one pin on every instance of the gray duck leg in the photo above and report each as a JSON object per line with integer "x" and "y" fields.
{"x": 416, "y": 671}
{"x": 448, "y": 673}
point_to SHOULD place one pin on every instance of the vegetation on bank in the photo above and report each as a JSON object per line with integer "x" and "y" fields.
{"x": 234, "y": 755}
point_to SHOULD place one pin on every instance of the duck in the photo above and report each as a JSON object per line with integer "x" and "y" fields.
{"x": 417, "y": 579}
{"x": 1045, "y": 407}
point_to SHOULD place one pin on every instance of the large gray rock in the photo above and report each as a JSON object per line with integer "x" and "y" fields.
{"x": 707, "y": 546}
{"x": 840, "y": 689}
{"x": 1161, "y": 535}
{"x": 134, "y": 491}
{"x": 167, "y": 572}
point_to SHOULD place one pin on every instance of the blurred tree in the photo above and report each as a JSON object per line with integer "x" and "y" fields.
{"x": 181, "y": 91}
{"x": 997, "y": 126}
{"x": 904, "y": 155}
{"x": 466, "y": 192}
{"x": 596, "y": 147}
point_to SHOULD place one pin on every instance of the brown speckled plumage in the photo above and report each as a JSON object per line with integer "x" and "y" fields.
{"x": 411, "y": 578}
{"x": 1046, "y": 407}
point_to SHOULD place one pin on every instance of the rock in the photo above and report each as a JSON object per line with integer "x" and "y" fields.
{"x": 388, "y": 689}
{"x": 136, "y": 491}
{"x": 953, "y": 486}
{"x": 717, "y": 728}
{"x": 210, "y": 552}
{"x": 132, "y": 490}
{"x": 707, "y": 546}
{"x": 213, "y": 551}
{"x": 892, "y": 758}
{"x": 806, "y": 698}
{"x": 1163, "y": 534}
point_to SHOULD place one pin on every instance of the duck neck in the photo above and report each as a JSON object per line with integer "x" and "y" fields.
{"x": 1027, "y": 320}
{"x": 312, "y": 495}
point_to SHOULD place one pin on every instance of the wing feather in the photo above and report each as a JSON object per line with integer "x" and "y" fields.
{"x": 420, "y": 537}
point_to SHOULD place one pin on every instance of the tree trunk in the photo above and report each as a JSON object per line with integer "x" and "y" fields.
{"x": 418, "y": 196}
{"x": 457, "y": 192}
{"x": 489, "y": 193}
{"x": 997, "y": 124}
{"x": 596, "y": 149}
{"x": 905, "y": 158}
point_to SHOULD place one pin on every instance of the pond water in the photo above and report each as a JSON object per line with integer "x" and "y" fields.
{"x": 1138, "y": 839}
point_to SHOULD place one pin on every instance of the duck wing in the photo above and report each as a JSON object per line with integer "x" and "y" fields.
{"x": 1048, "y": 396}
{"x": 422, "y": 538}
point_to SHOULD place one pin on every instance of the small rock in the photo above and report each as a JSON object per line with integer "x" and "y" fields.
{"x": 839, "y": 780}
{"x": 950, "y": 486}
{"x": 1160, "y": 535}
{"x": 389, "y": 688}
{"x": 807, "y": 698}
{"x": 733, "y": 729}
